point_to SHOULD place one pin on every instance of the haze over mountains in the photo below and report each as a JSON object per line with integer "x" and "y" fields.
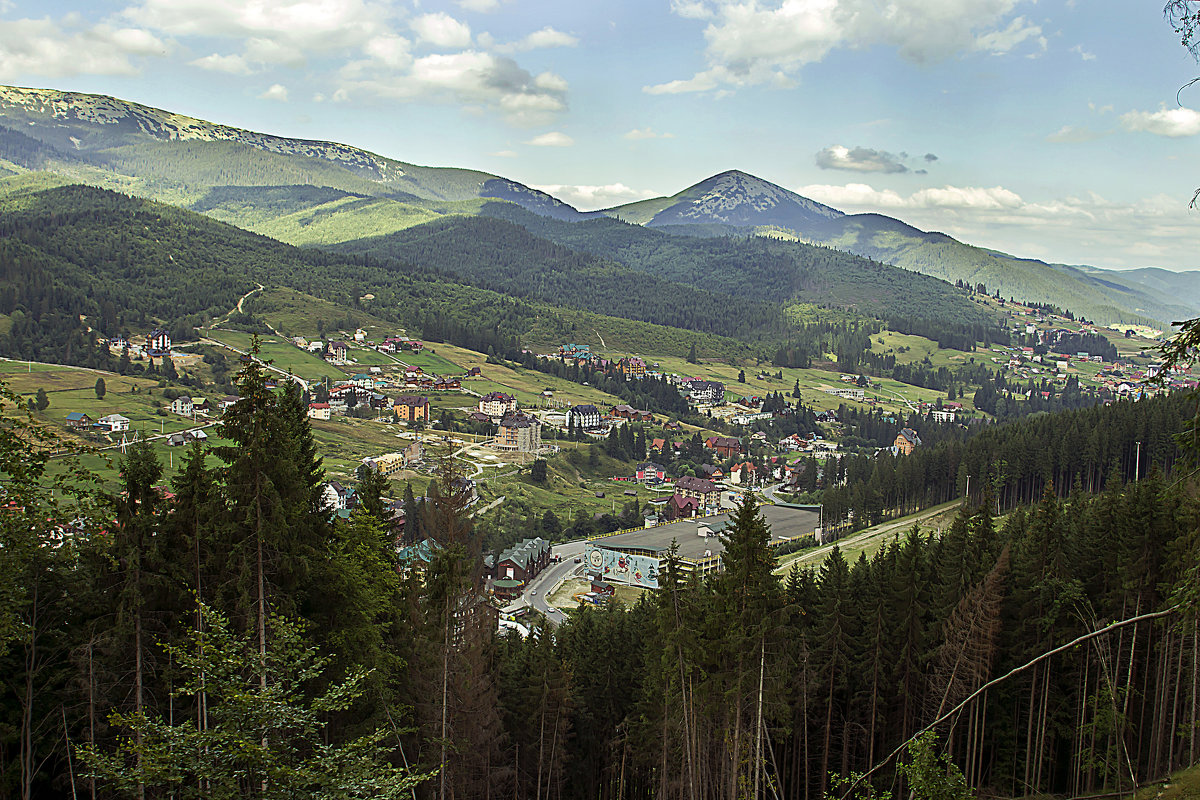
{"x": 313, "y": 193}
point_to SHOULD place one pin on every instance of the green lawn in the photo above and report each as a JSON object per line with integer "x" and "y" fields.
{"x": 281, "y": 354}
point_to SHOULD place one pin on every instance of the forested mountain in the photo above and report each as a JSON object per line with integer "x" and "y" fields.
{"x": 734, "y": 202}
{"x": 265, "y": 183}
{"x": 692, "y": 283}
{"x": 76, "y": 259}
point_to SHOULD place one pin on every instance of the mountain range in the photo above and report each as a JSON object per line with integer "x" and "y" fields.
{"x": 325, "y": 194}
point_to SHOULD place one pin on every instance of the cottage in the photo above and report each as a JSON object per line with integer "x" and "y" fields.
{"x": 725, "y": 446}
{"x": 77, "y": 420}
{"x": 630, "y": 413}
{"x": 176, "y": 440}
{"x": 745, "y": 472}
{"x": 114, "y": 422}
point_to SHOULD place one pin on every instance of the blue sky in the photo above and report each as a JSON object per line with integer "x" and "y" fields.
{"x": 1047, "y": 129}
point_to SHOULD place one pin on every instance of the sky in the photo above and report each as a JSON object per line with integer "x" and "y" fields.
{"x": 1052, "y": 129}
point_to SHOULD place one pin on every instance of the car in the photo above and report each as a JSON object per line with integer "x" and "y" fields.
{"x": 533, "y": 592}
{"x": 578, "y": 559}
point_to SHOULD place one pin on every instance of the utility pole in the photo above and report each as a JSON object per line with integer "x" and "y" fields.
{"x": 967, "y": 495}
{"x": 1137, "y": 465}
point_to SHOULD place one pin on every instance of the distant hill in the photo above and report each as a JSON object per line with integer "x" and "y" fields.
{"x": 734, "y": 202}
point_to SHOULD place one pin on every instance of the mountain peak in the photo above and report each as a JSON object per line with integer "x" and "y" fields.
{"x": 740, "y": 199}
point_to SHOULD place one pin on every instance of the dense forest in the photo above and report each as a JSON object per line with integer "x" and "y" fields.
{"x": 226, "y": 639}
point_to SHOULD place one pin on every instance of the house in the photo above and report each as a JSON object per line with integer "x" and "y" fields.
{"x": 630, "y": 413}
{"x": 658, "y": 444}
{"x": 705, "y": 392}
{"x": 158, "y": 343}
{"x": 363, "y": 380}
{"x": 413, "y": 453}
{"x": 417, "y": 556}
{"x": 523, "y": 561}
{"x": 176, "y": 440}
{"x": 336, "y": 497}
{"x": 519, "y": 432}
{"x": 411, "y": 407}
{"x": 706, "y": 492}
{"x": 497, "y": 404}
{"x": 711, "y": 472}
{"x": 748, "y": 469}
{"x": 201, "y": 406}
{"x": 77, "y": 420}
{"x": 319, "y": 411}
{"x": 447, "y": 383}
{"x": 725, "y": 446}
{"x": 649, "y": 472}
{"x": 182, "y": 405}
{"x": 338, "y": 353}
{"x": 906, "y": 441}
{"x": 385, "y": 464}
{"x": 114, "y": 422}
{"x": 943, "y": 415}
{"x": 474, "y": 372}
{"x": 680, "y": 507}
{"x": 196, "y": 435}
{"x": 478, "y": 416}
{"x": 228, "y": 402}
{"x": 583, "y": 417}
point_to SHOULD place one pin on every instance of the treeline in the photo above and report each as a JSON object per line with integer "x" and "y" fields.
{"x": 1014, "y": 463}
{"x": 716, "y": 688}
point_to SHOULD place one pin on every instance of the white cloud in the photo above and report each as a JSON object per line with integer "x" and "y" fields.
{"x": 551, "y": 139}
{"x": 768, "y": 41}
{"x": 47, "y": 48}
{"x": 1171, "y": 122}
{"x": 861, "y": 159}
{"x": 470, "y": 77}
{"x": 589, "y": 198}
{"x": 538, "y": 40}
{"x": 272, "y": 31}
{"x": 646, "y": 133}
{"x": 1004, "y": 41}
{"x": 1084, "y": 54}
{"x": 277, "y": 92}
{"x": 234, "y": 64}
{"x": 505, "y": 153}
{"x": 481, "y": 6}
{"x": 441, "y": 30}
{"x": 1069, "y": 134}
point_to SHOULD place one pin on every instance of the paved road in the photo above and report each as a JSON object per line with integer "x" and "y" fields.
{"x": 539, "y": 587}
{"x": 303, "y": 383}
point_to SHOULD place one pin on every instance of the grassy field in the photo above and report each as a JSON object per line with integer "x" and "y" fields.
{"x": 867, "y": 542}
{"x": 282, "y": 354}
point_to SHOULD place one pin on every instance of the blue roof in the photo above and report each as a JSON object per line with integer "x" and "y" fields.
{"x": 75, "y": 416}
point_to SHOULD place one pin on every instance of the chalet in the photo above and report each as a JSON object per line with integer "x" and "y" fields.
{"x": 583, "y": 417}
{"x": 680, "y": 507}
{"x": 520, "y": 432}
{"x": 658, "y": 444}
{"x": 711, "y": 473}
{"x": 474, "y": 372}
{"x": 747, "y": 469}
{"x": 417, "y": 556}
{"x": 906, "y": 441}
{"x": 197, "y": 435}
{"x": 523, "y": 561}
{"x": 363, "y": 380}
{"x": 176, "y": 440}
{"x": 630, "y": 413}
{"x": 182, "y": 405}
{"x": 793, "y": 442}
{"x": 228, "y": 402}
{"x": 705, "y": 492}
{"x": 390, "y": 345}
{"x": 158, "y": 343}
{"x": 77, "y": 420}
{"x": 319, "y": 411}
{"x": 497, "y": 404}
{"x": 478, "y": 416}
{"x": 114, "y": 422}
{"x": 411, "y": 407}
{"x": 673, "y": 425}
{"x": 447, "y": 383}
{"x": 649, "y": 472}
{"x": 725, "y": 446}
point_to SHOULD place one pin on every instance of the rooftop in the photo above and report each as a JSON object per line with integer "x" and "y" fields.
{"x": 785, "y": 523}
